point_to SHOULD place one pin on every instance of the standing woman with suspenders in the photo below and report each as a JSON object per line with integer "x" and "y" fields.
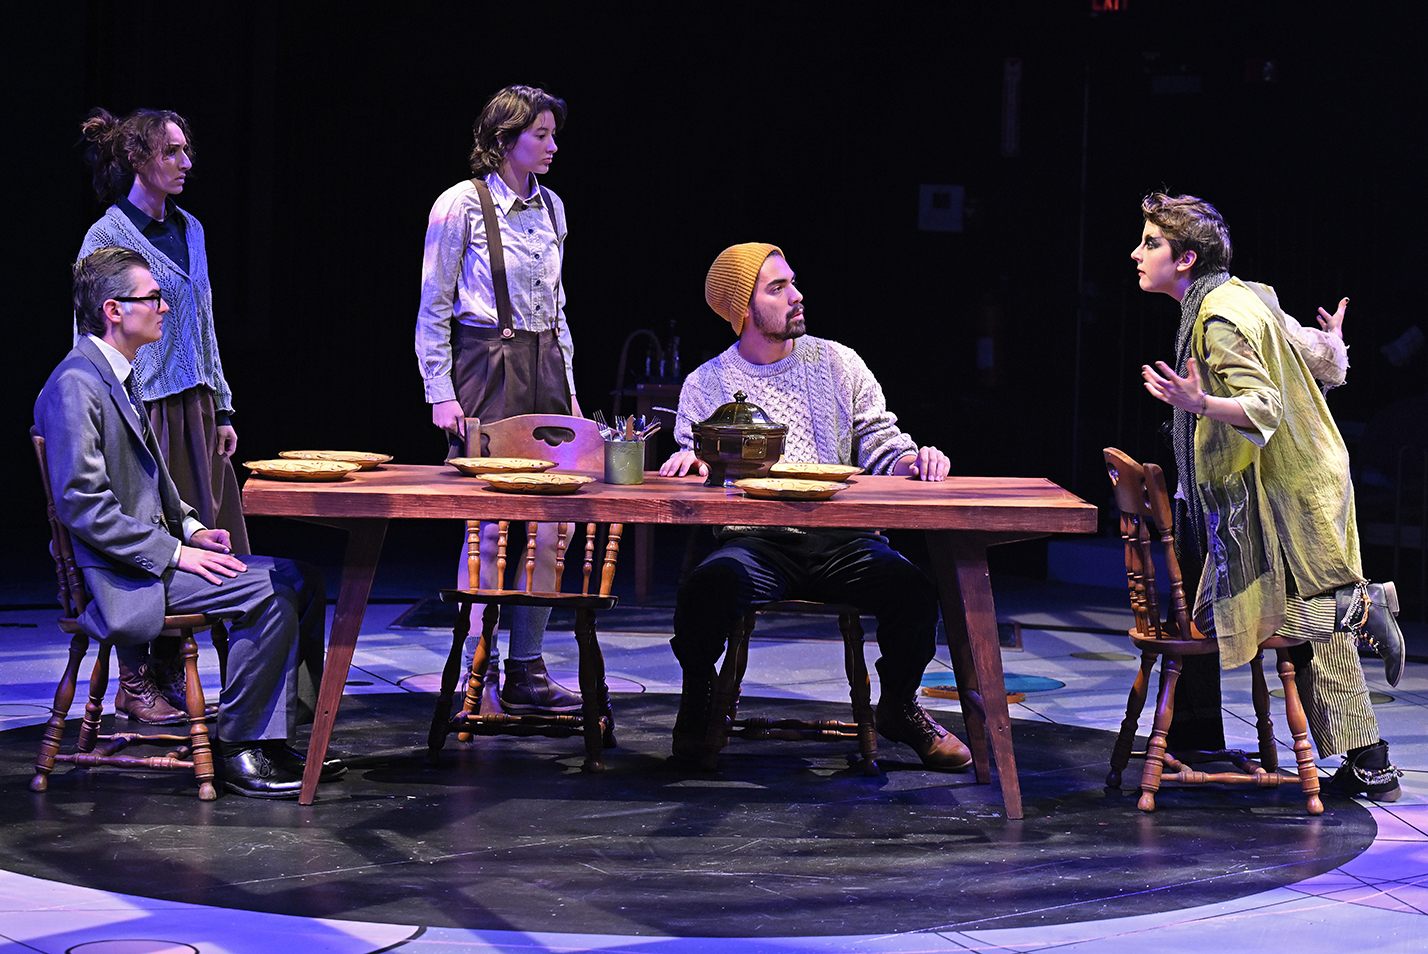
{"x": 491, "y": 337}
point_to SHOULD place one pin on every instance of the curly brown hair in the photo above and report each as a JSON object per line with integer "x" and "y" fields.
{"x": 115, "y": 148}
{"x": 1188, "y": 222}
{"x": 504, "y": 118}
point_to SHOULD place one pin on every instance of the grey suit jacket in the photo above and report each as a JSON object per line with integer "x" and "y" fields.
{"x": 113, "y": 491}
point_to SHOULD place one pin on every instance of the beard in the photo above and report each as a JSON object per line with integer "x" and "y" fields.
{"x": 780, "y": 327}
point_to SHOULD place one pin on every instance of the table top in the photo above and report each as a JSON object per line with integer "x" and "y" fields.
{"x": 993, "y": 504}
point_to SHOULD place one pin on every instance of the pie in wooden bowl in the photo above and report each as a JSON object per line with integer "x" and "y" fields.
{"x": 480, "y": 466}
{"x": 802, "y": 471}
{"x": 784, "y": 488}
{"x": 363, "y": 459}
{"x": 284, "y": 469}
{"x": 536, "y": 483}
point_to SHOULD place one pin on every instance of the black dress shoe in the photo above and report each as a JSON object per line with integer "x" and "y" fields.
{"x": 290, "y": 759}
{"x": 250, "y": 771}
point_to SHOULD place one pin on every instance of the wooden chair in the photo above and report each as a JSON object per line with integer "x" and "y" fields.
{"x": 1146, "y": 521}
{"x": 189, "y": 753}
{"x": 573, "y": 443}
{"x": 727, "y": 686}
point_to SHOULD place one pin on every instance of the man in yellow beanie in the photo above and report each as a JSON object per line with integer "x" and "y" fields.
{"x": 836, "y": 414}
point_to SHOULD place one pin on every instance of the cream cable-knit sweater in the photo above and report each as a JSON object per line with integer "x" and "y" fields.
{"x": 832, "y": 405}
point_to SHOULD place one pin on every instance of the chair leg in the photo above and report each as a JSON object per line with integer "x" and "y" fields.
{"x": 59, "y": 712}
{"x": 1264, "y": 725}
{"x": 1299, "y": 729}
{"x": 598, "y": 719}
{"x": 859, "y": 688}
{"x": 1135, "y": 705}
{"x": 1155, "y": 751}
{"x": 201, "y": 751}
{"x": 94, "y": 708}
{"x": 475, "y": 699}
{"x": 441, "y": 715}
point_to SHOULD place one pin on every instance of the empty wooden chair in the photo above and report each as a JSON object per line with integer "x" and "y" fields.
{"x": 189, "y": 753}
{"x": 1146, "y": 523}
{"x": 573, "y": 443}
{"x": 724, "y": 699}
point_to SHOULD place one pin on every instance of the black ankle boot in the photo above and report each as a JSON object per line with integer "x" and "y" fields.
{"x": 691, "y": 725}
{"x": 529, "y": 690}
{"x": 1367, "y": 611}
{"x": 1367, "y": 771}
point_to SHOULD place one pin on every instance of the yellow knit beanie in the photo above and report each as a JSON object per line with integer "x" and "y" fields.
{"x": 730, "y": 284}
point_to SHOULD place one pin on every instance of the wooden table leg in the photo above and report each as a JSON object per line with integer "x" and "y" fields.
{"x": 959, "y": 559}
{"x": 359, "y": 566}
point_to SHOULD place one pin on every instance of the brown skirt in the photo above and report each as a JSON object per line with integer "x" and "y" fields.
{"x": 187, "y": 431}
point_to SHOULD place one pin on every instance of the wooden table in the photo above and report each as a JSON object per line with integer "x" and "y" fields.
{"x": 962, "y": 517}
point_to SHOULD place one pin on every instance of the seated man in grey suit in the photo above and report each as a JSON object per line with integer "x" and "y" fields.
{"x": 141, "y": 549}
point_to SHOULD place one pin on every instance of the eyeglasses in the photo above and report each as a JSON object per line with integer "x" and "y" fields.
{"x": 153, "y": 300}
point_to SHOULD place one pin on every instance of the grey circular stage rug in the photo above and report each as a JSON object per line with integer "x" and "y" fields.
{"x": 786, "y": 839}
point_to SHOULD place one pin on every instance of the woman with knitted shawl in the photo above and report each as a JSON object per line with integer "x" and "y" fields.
{"x": 140, "y": 163}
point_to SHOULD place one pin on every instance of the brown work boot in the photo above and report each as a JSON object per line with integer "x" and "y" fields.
{"x": 167, "y": 672}
{"x": 529, "y": 690}
{"x": 139, "y": 698}
{"x": 904, "y": 720}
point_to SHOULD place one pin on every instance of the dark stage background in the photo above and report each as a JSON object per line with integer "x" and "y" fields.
{"x": 325, "y": 131}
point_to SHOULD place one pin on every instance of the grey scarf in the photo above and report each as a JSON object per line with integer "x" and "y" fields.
{"x": 1183, "y": 429}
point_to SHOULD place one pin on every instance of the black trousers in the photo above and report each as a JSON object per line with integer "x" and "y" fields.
{"x": 853, "y": 567}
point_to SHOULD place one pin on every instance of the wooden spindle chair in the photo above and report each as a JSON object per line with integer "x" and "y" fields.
{"x": 575, "y": 444}
{"x": 189, "y": 753}
{"x": 1146, "y": 523}
{"x": 724, "y": 703}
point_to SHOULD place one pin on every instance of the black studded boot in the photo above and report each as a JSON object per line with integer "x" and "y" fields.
{"x": 1367, "y": 611}
{"x": 1367, "y": 771}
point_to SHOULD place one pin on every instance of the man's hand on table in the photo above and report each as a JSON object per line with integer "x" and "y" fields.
{"x": 680, "y": 463}
{"x": 928, "y": 463}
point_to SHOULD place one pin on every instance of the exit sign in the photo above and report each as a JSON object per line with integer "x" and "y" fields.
{"x": 1108, "y": 6}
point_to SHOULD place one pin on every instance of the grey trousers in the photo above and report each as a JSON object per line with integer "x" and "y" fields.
{"x": 283, "y": 608}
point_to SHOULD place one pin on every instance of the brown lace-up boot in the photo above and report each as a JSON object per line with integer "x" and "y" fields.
{"x": 901, "y": 718}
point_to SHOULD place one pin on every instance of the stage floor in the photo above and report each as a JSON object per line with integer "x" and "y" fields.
{"x": 509, "y": 847}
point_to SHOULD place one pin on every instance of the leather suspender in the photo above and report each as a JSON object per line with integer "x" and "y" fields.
{"x": 497, "y": 255}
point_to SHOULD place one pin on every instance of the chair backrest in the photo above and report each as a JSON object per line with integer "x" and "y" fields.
{"x": 571, "y": 442}
{"x": 1147, "y": 521}
{"x": 73, "y": 597}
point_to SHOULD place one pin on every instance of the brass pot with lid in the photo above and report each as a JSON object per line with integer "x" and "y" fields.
{"x": 738, "y": 440}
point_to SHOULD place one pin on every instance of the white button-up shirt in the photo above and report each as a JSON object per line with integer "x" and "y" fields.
{"x": 456, "y": 275}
